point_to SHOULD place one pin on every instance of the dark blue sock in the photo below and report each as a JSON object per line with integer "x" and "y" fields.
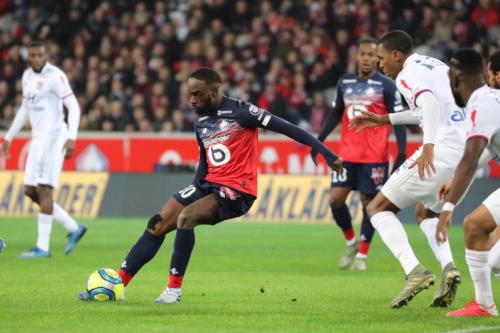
{"x": 183, "y": 245}
{"x": 342, "y": 217}
{"x": 143, "y": 251}
{"x": 367, "y": 229}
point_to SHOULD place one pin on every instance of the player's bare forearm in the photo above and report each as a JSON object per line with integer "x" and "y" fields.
{"x": 466, "y": 168}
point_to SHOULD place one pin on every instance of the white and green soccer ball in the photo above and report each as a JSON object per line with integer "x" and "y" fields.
{"x": 105, "y": 285}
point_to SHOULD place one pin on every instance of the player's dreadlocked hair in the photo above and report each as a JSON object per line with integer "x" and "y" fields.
{"x": 494, "y": 61}
{"x": 467, "y": 61}
{"x": 397, "y": 40}
{"x": 207, "y": 75}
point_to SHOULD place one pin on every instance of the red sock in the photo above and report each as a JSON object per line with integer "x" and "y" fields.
{"x": 349, "y": 233}
{"x": 364, "y": 247}
{"x": 125, "y": 277}
{"x": 175, "y": 281}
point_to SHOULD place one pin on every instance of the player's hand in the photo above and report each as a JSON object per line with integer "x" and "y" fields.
{"x": 69, "y": 146}
{"x": 337, "y": 166}
{"x": 443, "y": 226}
{"x": 367, "y": 120}
{"x": 313, "y": 154}
{"x": 5, "y": 149}
{"x": 445, "y": 188}
{"x": 425, "y": 162}
{"x": 399, "y": 161}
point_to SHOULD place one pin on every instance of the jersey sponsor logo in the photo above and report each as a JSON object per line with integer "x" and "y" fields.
{"x": 208, "y": 142}
{"x": 458, "y": 115}
{"x": 221, "y": 112}
{"x": 370, "y": 81}
{"x": 219, "y": 154}
{"x": 349, "y": 81}
{"x": 378, "y": 175}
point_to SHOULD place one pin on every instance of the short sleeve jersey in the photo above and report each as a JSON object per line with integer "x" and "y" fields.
{"x": 230, "y": 142}
{"x": 43, "y": 95}
{"x": 377, "y": 94}
{"x": 422, "y": 74}
{"x": 483, "y": 118}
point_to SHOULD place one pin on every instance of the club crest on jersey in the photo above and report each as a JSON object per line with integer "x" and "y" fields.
{"x": 370, "y": 92}
{"x": 254, "y": 110}
{"x": 378, "y": 175}
{"x": 226, "y": 192}
{"x": 223, "y": 125}
{"x": 39, "y": 85}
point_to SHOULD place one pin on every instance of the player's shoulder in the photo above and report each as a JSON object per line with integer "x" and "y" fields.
{"x": 381, "y": 79}
{"x": 484, "y": 98}
{"x": 53, "y": 71}
{"x": 235, "y": 108}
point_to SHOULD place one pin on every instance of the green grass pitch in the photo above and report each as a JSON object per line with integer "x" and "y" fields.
{"x": 243, "y": 277}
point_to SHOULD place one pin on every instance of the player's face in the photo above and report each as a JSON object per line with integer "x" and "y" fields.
{"x": 366, "y": 58}
{"x": 493, "y": 78}
{"x": 37, "y": 57}
{"x": 202, "y": 96}
{"x": 455, "y": 84}
{"x": 389, "y": 61}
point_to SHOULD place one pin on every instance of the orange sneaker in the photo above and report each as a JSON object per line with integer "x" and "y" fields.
{"x": 474, "y": 309}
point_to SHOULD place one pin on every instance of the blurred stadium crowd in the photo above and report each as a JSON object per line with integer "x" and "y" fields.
{"x": 128, "y": 60}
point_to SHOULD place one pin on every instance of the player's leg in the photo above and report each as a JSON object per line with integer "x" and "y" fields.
{"x": 366, "y": 236}
{"x": 477, "y": 227}
{"x": 202, "y": 211}
{"x": 151, "y": 240}
{"x": 342, "y": 217}
{"x": 75, "y": 230}
{"x": 445, "y": 294}
{"x": 44, "y": 223}
{"x": 396, "y": 194}
{"x": 370, "y": 178}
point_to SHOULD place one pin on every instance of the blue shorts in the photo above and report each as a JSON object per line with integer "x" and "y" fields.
{"x": 366, "y": 178}
{"x": 232, "y": 203}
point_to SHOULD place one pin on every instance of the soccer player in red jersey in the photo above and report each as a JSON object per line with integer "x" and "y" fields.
{"x": 364, "y": 153}
{"x": 225, "y": 184}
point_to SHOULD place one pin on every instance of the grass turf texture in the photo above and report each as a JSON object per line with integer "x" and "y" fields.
{"x": 243, "y": 277}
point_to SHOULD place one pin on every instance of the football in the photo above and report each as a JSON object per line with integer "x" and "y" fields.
{"x": 105, "y": 285}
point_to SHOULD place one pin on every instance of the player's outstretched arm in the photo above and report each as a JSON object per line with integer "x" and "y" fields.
{"x": 463, "y": 176}
{"x": 18, "y": 123}
{"x": 332, "y": 120}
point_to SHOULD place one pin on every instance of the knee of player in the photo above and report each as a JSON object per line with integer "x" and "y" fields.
{"x": 154, "y": 224}
{"x": 186, "y": 220}
{"x": 30, "y": 192}
{"x": 470, "y": 226}
{"x": 335, "y": 202}
{"x": 372, "y": 208}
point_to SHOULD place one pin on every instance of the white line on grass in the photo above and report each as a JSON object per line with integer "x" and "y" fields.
{"x": 474, "y": 329}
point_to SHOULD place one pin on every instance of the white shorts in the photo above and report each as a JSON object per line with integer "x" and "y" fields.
{"x": 45, "y": 160}
{"x": 404, "y": 188}
{"x": 492, "y": 203}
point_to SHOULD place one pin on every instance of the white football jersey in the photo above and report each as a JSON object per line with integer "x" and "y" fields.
{"x": 483, "y": 118}
{"x": 43, "y": 95}
{"x": 423, "y": 74}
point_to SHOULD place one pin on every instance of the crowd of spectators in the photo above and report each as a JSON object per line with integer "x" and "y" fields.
{"x": 128, "y": 61}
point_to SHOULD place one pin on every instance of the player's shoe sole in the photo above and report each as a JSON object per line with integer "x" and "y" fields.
{"x": 448, "y": 288}
{"x": 418, "y": 280}
{"x": 74, "y": 237}
{"x": 348, "y": 256}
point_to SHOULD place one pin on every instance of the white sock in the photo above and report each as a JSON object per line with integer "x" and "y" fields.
{"x": 62, "y": 217}
{"x": 441, "y": 251}
{"x": 480, "y": 272}
{"x": 394, "y": 236}
{"x": 351, "y": 242}
{"x": 44, "y": 229}
{"x": 494, "y": 259}
{"x": 361, "y": 255}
